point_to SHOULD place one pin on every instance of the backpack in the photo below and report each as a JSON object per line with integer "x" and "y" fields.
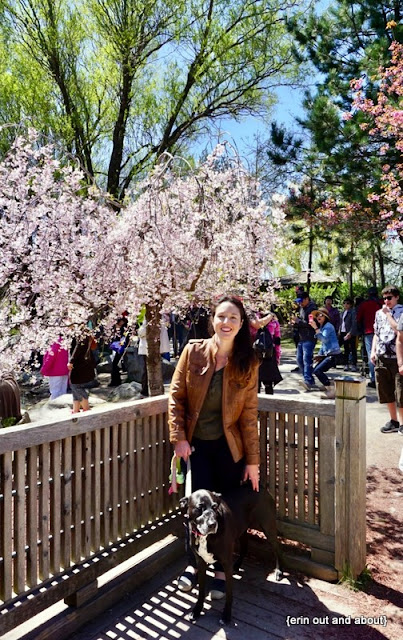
{"x": 263, "y": 344}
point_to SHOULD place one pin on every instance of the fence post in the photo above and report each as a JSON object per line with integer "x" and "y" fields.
{"x": 350, "y": 488}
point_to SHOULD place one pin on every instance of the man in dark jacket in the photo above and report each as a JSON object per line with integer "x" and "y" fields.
{"x": 306, "y": 339}
{"x": 366, "y": 318}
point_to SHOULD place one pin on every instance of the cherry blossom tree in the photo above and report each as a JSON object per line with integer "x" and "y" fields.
{"x": 192, "y": 235}
{"x": 69, "y": 258}
{"x": 53, "y": 231}
{"x": 386, "y": 124}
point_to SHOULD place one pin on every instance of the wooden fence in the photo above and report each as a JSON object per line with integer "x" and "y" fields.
{"x": 79, "y": 496}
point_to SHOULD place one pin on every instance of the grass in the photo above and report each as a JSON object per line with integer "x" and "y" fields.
{"x": 361, "y": 583}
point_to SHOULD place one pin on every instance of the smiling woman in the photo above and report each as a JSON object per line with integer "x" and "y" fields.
{"x": 213, "y": 411}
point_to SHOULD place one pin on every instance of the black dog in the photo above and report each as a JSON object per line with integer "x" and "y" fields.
{"x": 216, "y": 524}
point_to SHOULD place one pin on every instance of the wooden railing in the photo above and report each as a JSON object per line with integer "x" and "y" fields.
{"x": 313, "y": 461}
{"x": 79, "y": 496}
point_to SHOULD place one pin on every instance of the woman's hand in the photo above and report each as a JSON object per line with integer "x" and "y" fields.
{"x": 252, "y": 473}
{"x": 183, "y": 449}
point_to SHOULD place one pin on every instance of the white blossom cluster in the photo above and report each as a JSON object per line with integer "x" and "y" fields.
{"x": 68, "y": 257}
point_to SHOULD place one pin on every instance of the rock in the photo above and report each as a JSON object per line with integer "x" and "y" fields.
{"x": 126, "y": 391}
{"x": 105, "y": 365}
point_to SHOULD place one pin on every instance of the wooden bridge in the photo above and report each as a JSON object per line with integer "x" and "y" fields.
{"x": 83, "y": 503}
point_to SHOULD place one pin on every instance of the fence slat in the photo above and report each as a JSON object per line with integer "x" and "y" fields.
{"x": 115, "y": 482}
{"x": 131, "y": 474}
{"x": 76, "y": 498}
{"x": 105, "y": 488}
{"x": 311, "y": 469}
{"x": 87, "y": 493}
{"x": 6, "y": 541}
{"x": 123, "y": 469}
{"x": 55, "y": 506}
{"x": 66, "y": 501}
{"x": 291, "y": 466}
{"x": 281, "y": 465}
{"x": 153, "y": 483}
{"x": 301, "y": 468}
{"x": 19, "y": 522}
{"x": 44, "y": 515}
{"x": 272, "y": 453}
{"x": 32, "y": 517}
{"x": 96, "y": 498}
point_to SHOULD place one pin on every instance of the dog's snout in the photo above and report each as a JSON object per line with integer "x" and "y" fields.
{"x": 207, "y": 523}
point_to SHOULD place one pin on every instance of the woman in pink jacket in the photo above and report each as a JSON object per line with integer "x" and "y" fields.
{"x": 55, "y": 368}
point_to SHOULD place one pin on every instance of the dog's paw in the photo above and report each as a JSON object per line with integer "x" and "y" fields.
{"x": 194, "y": 615}
{"x": 278, "y": 575}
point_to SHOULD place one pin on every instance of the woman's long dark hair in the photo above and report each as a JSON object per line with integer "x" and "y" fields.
{"x": 243, "y": 356}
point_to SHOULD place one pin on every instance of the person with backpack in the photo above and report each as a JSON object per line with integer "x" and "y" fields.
{"x": 307, "y": 340}
{"x": 266, "y": 336}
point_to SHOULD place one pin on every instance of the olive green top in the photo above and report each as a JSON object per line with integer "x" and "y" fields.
{"x": 209, "y": 425}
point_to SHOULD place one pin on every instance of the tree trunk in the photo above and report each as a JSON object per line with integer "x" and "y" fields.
{"x": 351, "y": 271}
{"x": 310, "y": 258}
{"x": 154, "y": 363}
{"x": 381, "y": 265}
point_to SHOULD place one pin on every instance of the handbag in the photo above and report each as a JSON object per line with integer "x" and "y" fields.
{"x": 263, "y": 344}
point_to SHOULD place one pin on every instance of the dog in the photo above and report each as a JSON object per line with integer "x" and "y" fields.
{"x": 215, "y": 524}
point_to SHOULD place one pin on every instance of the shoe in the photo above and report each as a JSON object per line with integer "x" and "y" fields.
{"x": 400, "y": 432}
{"x": 296, "y": 370}
{"x": 217, "y": 591}
{"x": 390, "y": 427}
{"x": 187, "y": 581}
{"x": 307, "y": 387}
{"x": 371, "y": 384}
{"x": 347, "y": 368}
{"x": 330, "y": 393}
{"x": 354, "y": 368}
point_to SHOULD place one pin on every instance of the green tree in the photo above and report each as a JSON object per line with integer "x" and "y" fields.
{"x": 122, "y": 81}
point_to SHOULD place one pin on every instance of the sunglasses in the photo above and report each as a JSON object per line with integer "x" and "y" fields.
{"x": 321, "y": 315}
{"x": 387, "y": 297}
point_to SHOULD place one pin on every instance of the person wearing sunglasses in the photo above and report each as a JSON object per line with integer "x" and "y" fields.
{"x": 389, "y": 383}
{"x": 326, "y": 358}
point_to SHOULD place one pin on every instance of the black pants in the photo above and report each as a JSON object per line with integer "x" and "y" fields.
{"x": 213, "y": 468}
{"x": 350, "y": 346}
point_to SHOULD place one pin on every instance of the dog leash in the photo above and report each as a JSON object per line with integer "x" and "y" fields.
{"x": 176, "y": 476}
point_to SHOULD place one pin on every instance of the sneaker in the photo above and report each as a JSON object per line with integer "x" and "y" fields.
{"x": 295, "y": 370}
{"x": 354, "y": 368}
{"x": 307, "y": 387}
{"x": 400, "y": 432}
{"x": 330, "y": 393}
{"x": 347, "y": 368}
{"x": 217, "y": 591}
{"x": 187, "y": 581}
{"x": 371, "y": 384}
{"x": 390, "y": 427}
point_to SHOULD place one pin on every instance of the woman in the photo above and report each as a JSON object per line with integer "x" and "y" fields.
{"x": 269, "y": 374}
{"x": 82, "y": 372}
{"x": 348, "y": 335}
{"x": 329, "y": 348}
{"x": 54, "y": 366}
{"x": 213, "y": 412}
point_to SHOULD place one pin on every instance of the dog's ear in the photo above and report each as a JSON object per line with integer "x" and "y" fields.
{"x": 184, "y": 503}
{"x": 216, "y": 496}
{"x": 217, "y": 500}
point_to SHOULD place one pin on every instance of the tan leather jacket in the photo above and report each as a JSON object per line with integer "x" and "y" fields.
{"x": 188, "y": 390}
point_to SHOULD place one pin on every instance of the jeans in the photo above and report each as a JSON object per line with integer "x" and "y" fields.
{"x": 321, "y": 367}
{"x": 305, "y": 359}
{"x": 368, "y": 338}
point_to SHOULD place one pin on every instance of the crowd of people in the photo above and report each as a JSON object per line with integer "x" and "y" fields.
{"x": 377, "y": 322}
